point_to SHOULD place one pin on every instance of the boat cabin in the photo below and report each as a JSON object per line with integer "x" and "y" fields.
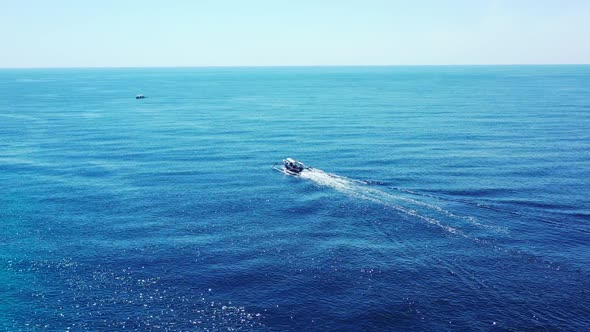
{"x": 293, "y": 166}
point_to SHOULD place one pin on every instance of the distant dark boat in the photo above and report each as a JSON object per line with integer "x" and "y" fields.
{"x": 140, "y": 97}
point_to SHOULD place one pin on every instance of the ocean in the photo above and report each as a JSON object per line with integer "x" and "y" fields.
{"x": 440, "y": 198}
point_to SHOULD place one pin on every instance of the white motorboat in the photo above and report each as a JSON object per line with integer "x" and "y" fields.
{"x": 291, "y": 166}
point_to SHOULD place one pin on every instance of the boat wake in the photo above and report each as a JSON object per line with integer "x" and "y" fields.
{"x": 404, "y": 202}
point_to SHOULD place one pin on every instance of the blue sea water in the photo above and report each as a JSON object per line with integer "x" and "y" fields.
{"x": 441, "y": 198}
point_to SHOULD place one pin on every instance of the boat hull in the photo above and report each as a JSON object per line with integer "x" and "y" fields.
{"x": 291, "y": 172}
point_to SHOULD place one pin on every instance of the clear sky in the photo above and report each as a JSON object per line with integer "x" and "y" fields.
{"x": 115, "y": 33}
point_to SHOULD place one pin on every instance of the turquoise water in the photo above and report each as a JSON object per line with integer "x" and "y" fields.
{"x": 441, "y": 198}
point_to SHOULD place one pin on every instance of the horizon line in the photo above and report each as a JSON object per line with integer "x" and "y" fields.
{"x": 299, "y": 66}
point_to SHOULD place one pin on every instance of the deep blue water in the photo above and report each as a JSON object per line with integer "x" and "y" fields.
{"x": 442, "y": 198}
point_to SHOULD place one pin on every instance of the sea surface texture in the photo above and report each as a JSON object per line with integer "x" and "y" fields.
{"x": 440, "y": 198}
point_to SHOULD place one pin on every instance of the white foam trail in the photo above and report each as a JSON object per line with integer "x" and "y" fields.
{"x": 359, "y": 189}
{"x": 469, "y": 219}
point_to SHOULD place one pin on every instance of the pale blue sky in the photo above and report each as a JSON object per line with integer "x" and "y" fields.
{"x": 115, "y": 33}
